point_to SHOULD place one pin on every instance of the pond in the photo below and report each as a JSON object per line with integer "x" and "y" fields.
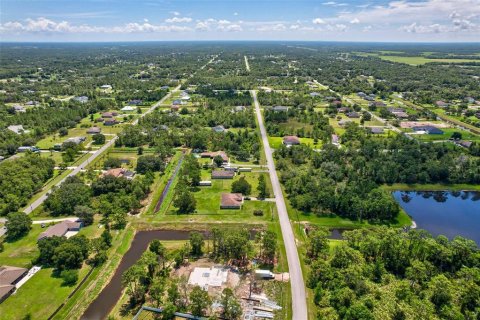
{"x": 451, "y": 213}
{"x": 108, "y": 297}
{"x": 104, "y": 303}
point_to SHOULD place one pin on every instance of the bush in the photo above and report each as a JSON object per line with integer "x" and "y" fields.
{"x": 258, "y": 213}
{"x": 70, "y": 277}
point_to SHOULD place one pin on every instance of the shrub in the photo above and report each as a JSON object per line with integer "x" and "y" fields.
{"x": 258, "y": 213}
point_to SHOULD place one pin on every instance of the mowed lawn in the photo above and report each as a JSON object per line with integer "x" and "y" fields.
{"x": 209, "y": 198}
{"x": 447, "y": 134}
{"x": 38, "y": 297}
{"x": 42, "y": 293}
{"x": 276, "y": 142}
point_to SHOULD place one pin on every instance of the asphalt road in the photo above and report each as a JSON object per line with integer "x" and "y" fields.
{"x": 299, "y": 298}
{"x": 94, "y": 155}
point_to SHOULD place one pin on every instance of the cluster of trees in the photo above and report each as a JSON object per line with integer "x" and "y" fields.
{"x": 231, "y": 245}
{"x": 108, "y": 195}
{"x": 386, "y": 273}
{"x": 313, "y": 124}
{"x": 189, "y": 179}
{"x": 68, "y": 255}
{"x": 149, "y": 280}
{"x": 21, "y": 178}
{"x": 345, "y": 181}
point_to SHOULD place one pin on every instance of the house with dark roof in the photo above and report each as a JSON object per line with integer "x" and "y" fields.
{"x": 353, "y": 114}
{"x": 441, "y": 104}
{"x": 465, "y": 144}
{"x": 81, "y": 99}
{"x": 110, "y": 122}
{"x": 376, "y": 130}
{"x": 212, "y": 155}
{"x": 231, "y": 201}
{"x": 223, "y": 174}
{"x": 60, "y": 229}
{"x": 335, "y": 140}
{"x": 377, "y": 104}
{"x": 9, "y": 277}
{"x": 291, "y": 140}
{"x": 427, "y": 129}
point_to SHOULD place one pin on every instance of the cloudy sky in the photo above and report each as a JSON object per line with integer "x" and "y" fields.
{"x": 133, "y": 20}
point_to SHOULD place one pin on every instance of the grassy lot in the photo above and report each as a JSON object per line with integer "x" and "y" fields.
{"x": 447, "y": 133}
{"x": 20, "y": 253}
{"x": 276, "y": 142}
{"x": 208, "y": 204}
{"x": 415, "y": 61}
{"x": 38, "y": 297}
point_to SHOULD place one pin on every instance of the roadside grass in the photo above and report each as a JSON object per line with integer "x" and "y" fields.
{"x": 447, "y": 133}
{"x": 276, "y": 142}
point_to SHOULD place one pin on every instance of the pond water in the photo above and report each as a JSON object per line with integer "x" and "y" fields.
{"x": 108, "y": 297}
{"x": 444, "y": 212}
{"x": 104, "y": 303}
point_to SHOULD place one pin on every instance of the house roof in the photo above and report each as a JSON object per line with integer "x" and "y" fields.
{"x": 223, "y": 174}
{"x": 280, "y": 108}
{"x": 94, "y": 130}
{"x": 218, "y": 128}
{"x": 214, "y": 154}
{"x": 16, "y": 128}
{"x": 232, "y": 200}
{"x": 376, "y": 130}
{"x": 59, "y": 229}
{"x": 5, "y": 290}
{"x": 428, "y": 129}
{"x": 291, "y": 140}
{"x": 107, "y": 114}
{"x": 8, "y": 275}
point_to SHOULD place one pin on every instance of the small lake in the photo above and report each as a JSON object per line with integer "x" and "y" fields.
{"x": 444, "y": 212}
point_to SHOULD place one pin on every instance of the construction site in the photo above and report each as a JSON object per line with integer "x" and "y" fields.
{"x": 251, "y": 289}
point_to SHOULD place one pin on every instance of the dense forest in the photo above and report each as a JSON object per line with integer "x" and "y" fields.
{"x": 20, "y": 179}
{"x": 384, "y": 273}
{"x": 346, "y": 181}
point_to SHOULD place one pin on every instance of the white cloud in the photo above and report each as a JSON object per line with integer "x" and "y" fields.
{"x": 49, "y": 26}
{"x": 318, "y": 21}
{"x": 235, "y": 13}
{"x": 417, "y": 28}
{"x": 178, "y": 20}
{"x": 272, "y": 27}
{"x": 175, "y": 13}
{"x": 334, "y": 4}
{"x": 354, "y": 21}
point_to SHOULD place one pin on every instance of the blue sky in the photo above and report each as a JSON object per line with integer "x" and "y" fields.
{"x": 322, "y": 20}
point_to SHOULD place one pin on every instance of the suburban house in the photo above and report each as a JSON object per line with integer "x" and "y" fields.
{"x": 61, "y": 229}
{"x": 119, "y": 172}
{"x": 376, "y": 130}
{"x": 176, "y": 102}
{"x": 264, "y": 274}
{"x": 377, "y": 104}
{"x": 280, "y": 109}
{"x": 205, "y": 183}
{"x": 110, "y": 122}
{"x": 9, "y": 276}
{"x": 106, "y": 87}
{"x": 212, "y": 155}
{"x": 18, "y": 108}
{"x": 427, "y": 130}
{"x": 238, "y": 109}
{"x": 175, "y": 107}
{"x": 164, "y": 87}
{"x": 94, "y": 130}
{"x": 81, "y": 99}
{"x": 315, "y": 94}
{"x": 291, "y": 140}
{"x": 76, "y": 140}
{"x": 231, "y": 201}
{"x": 108, "y": 115}
{"x": 219, "y": 129}
{"x": 28, "y": 148}
{"x": 400, "y": 115}
{"x": 343, "y": 122}
{"x": 128, "y": 108}
{"x": 135, "y": 102}
{"x": 465, "y": 144}
{"x": 353, "y": 114}
{"x": 222, "y": 174}
{"x": 32, "y": 103}
{"x": 343, "y": 109}
{"x": 441, "y": 104}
